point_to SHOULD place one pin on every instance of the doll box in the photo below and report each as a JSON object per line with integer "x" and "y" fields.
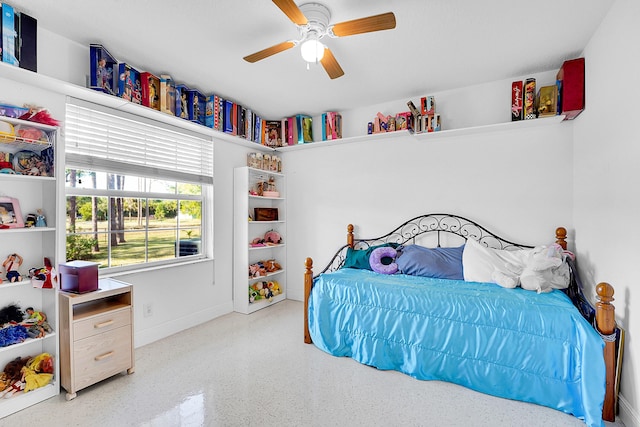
{"x": 571, "y": 84}
{"x": 129, "y": 86}
{"x": 78, "y": 276}
{"x": 182, "y": 109}
{"x": 196, "y": 106}
{"x": 167, "y": 94}
{"x": 104, "y": 68}
{"x": 150, "y": 85}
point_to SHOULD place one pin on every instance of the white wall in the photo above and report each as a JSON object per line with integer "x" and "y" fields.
{"x": 607, "y": 162}
{"x": 516, "y": 183}
{"x": 469, "y": 106}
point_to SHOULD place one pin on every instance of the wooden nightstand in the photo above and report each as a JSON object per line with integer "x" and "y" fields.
{"x": 96, "y": 335}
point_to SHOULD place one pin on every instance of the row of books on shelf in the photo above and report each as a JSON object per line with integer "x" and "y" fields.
{"x": 298, "y": 129}
{"x": 163, "y": 94}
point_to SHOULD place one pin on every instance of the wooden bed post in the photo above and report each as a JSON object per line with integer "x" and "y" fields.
{"x": 561, "y": 237}
{"x": 308, "y": 283}
{"x": 606, "y": 323}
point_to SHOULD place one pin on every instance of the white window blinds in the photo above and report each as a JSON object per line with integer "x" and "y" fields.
{"x": 100, "y": 138}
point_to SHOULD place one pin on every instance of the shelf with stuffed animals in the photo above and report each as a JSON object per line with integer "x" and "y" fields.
{"x": 260, "y": 221}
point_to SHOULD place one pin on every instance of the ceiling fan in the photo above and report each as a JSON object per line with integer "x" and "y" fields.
{"x": 312, "y": 20}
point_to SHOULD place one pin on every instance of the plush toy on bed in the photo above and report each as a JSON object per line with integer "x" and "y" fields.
{"x": 382, "y": 260}
{"x": 545, "y": 269}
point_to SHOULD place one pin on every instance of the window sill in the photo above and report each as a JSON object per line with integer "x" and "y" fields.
{"x": 113, "y": 274}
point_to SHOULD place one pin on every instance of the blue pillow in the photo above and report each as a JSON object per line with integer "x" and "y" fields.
{"x": 359, "y": 258}
{"x": 440, "y": 263}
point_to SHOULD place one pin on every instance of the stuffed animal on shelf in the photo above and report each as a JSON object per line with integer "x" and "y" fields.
{"x": 257, "y": 270}
{"x": 270, "y": 238}
{"x": 271, "y": 265}
{"x": 264, "y": 290}
{"x": 274, "y": 287}
{"x": 262, "y": 268}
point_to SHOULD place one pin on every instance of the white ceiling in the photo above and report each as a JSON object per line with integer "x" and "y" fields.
{"x": 436, "y": 45}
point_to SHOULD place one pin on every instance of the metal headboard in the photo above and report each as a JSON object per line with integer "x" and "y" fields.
{"x": 438, "y": 224}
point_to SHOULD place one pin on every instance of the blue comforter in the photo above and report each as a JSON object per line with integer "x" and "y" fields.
{"x": 510, "y": 343}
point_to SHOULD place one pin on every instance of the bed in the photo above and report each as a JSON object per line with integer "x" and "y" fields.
{"x": 551, "y": 348}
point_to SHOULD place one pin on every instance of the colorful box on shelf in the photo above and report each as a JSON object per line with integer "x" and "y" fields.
{"x": 547, "y": 101}
{"x": 212, "y": 112}
{"x": 516, "y": 101}
{"x": 196, "y": 106}
{"x": 428, "y": 105}
{"x": 129, "y": 86}
{"x": 570, "y": 81}
{"x": 12, "y": 111}
{"x": 167, "y": 95}
{"x": 28, "y": 42}
{"x": 529, "y": 109}
{"x": 182, "y": 103}
{"x": 10, "y": 41}
{"x": 150, "y": 90}
{"x": 103, "y": 69}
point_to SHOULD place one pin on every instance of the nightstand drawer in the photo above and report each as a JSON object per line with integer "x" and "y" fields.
{"x": 101, "y": 356}
{"x": 102, "y": 323}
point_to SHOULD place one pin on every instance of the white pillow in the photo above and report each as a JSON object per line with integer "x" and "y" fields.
{"x": 482, "y": 264}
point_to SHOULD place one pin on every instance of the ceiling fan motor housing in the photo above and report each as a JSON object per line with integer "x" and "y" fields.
{"x": 318, "y": 16}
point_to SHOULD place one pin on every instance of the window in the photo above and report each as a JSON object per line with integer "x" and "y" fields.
{"x": 137, "y": 191}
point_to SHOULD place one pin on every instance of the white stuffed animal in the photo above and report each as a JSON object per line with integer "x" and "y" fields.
{"x": 545, "y": 269}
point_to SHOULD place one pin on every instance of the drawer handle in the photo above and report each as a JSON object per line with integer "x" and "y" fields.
{"x": 103, "y": 356}
{"x": 103, "y": 324}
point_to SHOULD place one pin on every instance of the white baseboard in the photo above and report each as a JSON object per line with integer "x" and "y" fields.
{"x": 627, "y": 414}
{"x": 164, "y": 330}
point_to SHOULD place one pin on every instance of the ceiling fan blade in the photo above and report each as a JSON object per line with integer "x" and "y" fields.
{"x": 330, "y": 64}
{"x": 265, "y": 53}
{"x": 289, "y": 8}
{"x": 385, "y": 21}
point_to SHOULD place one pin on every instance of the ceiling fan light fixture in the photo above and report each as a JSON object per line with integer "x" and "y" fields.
{"x": 312, "y": 50}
